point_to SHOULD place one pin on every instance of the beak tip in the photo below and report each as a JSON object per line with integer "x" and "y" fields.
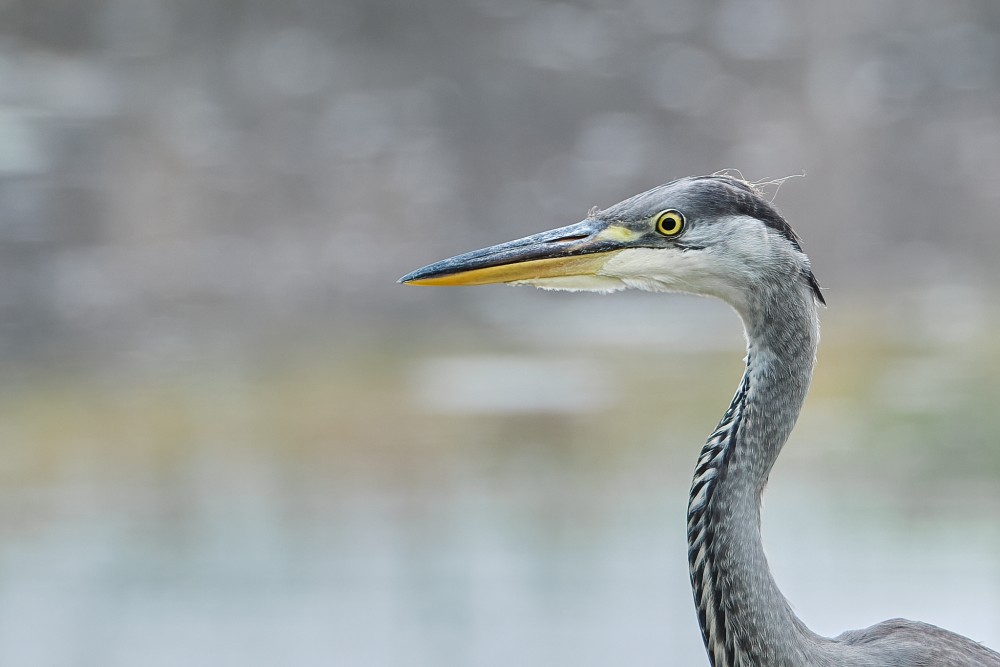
{"x": 423, "y": 276}
{"x": 408, "y": 278}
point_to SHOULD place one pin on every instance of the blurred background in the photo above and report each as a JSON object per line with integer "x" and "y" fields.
{"x": 227, "y": 437}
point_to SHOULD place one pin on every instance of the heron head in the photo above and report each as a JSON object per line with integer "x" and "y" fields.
{"x": 709, "y": 235}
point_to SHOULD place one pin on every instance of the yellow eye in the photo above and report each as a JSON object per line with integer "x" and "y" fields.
{"x": 669, "y": 223}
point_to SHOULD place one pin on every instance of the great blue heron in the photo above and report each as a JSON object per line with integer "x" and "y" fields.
{"x": 717, "y": 236}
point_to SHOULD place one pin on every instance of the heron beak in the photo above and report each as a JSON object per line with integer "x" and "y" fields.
{"x": 577, "y": 250}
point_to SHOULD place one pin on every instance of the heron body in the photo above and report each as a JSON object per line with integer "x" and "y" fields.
{"x": 717, "y": 236}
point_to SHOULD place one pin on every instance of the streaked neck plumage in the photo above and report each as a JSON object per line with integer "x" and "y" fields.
{"x": 744, "y": 618}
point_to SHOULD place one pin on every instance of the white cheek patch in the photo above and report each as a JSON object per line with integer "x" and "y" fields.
{"x": 665, "y": 269}
{"x": 673, "y": 270}
{"x": 655, "y": 263}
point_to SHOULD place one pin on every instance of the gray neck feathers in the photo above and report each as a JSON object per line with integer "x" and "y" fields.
{"x": 745, "y": 620}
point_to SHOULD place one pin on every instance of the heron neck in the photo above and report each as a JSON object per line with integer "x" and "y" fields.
{"x": 744, "y": 617}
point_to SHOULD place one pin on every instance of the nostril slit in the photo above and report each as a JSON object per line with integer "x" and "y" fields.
{"x": 563, "y": 239}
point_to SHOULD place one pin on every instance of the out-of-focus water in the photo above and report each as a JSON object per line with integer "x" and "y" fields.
{"x": 338, "y": 508}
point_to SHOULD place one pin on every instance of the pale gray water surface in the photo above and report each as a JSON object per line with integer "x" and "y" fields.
{"x": 327, "y": 509}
